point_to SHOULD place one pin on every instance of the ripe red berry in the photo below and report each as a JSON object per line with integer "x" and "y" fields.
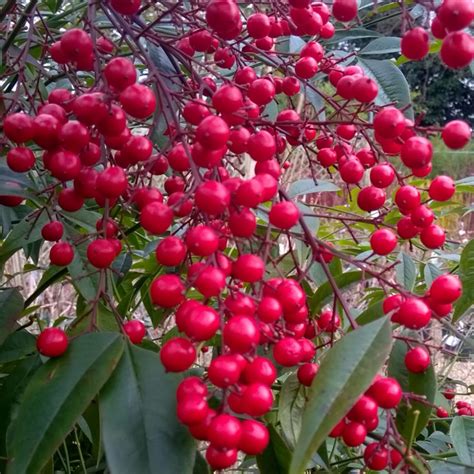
{"x": 241, "y": 333}
{"x": 138, "y": 101}
{"x": 20, "y": 159}
{"x": 220, "y": 458}
{"x": 224, "y": 370}
{"x": 386, "y": 391}
{"x": 202, "y": 240}
{"x": 101, "y": 253}
{"x": 456, "y": 134}
{"x": 224, "y": 431}
{"x": 383, "y": 241}
{"x": 52, "y": 231}
{"x": 416, "y": 152}
{"x": 457, "y": 50}
{"x": 455, "y": 14}
{"x": 248, "y": 268}
{"x": 156, "y": 217}
{"x": 52, "y": 342}
{"x": 120, "y": 73}
{"x": 446, "y": 289}
{"x": 135, "y": 330}
{"x": 414, "y": 313}
{"x": 442, "y": 188}
{"x": 260, "y": 370}
{"x": 306, "y": 373}
{"x": 284, "y": 215}
{"x": 212, "y": 133}
{"x": 76, "y": 44}
{"x": 422, "y": 216}
{"x": 261, "y": 91}
{"x": 112, "y": 182}
{"x": 376, "y": 456}
{"x": 344, "y": 10}
{"x": 306, "y": 67}
{"x": 433, "y": 236}
{"x": 407, "y": 198}
{"x": 177, "y": 354}
{"x": 254, "y": 437}
{"x": 417, "y": 360}
{"x": 227, "y": 99}
{"x": 167, "y": 291}
{"x": 354, "y": 433}
{"x": 192, "y": 409}
{"x": 364, "y": 409}
{"x": 61, "y": 254}
{"x": 389, "y": 122}
{"x": 202, "y": 323}
{"x": 257, "y": 399}
{"x": 442, "y": 412}
{"x": 287, "y": 352}
{"x": 212, "y": 197}
{"x": 261, "y": 146}
{"x": 171, "y": 251}
{"x": 415, "y": 44}
{"x": 371, "y": 198}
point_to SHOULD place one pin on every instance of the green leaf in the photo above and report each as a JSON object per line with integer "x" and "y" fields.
{"x": 344, "y": 374}
{"x": 393, "y": 87}
{"x": 11, "y": 306}
{"x": 50, "y": 276}
{"x": 308, "y": 186}
{"x": 142, "y": 397}
{"x": 325, "y": 291}
{"x": 58, "y": 393}
{"x": 290, "y": 409}
{"x": 276, "y": 457}
{"x": 372, "y": 313}
{"x": 466, "y": 273}
{"x": 420, "y": 384}
{"x": 406, "y": 271}
{"x": 350, "y": 35}
{"x": 431, "y": 272}
{"x": 462, "y": 435}
{"x": 17, "y": 345}
{"x": 384, "y": 45}
{"x": 200, "y": 465}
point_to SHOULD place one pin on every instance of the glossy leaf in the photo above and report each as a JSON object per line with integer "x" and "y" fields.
{"x": 290, "y": 408}
{"x": 355, "y": 359}
{"x": 11, "y": 306}
{"x": 466, "y": 273}
{"x": 138, "y": 416}
{"x": 408, "y": 422}
{"x": 406, "y": 271}
{"x": 462, "y": 435}
{"x": 56, "y": 396}
{"x": 385, "y": 45}
{"x": 276, "y": 457}
{"x": 393, "y": 87}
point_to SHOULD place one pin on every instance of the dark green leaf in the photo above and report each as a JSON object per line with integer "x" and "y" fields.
{"x": 420, "y": 384}
{"x": 56, "y": 396}
{"x": 466, "y": 273}
{"x": 276, "y": 457}
{"x": 344, "y": 374}
{"x": 11, "y": 306}
{"x": 372, "y": 313}
{"x": 325, "y": 292}
{"x": 406, "y": 271}
{"x": 393, "y": 87}
{"x": 385, "y": 45}
{"x": 352, "y": 34}
{"x": 290, "y": 409}
{"x": 462, "y": 435}
{"x": 142, "y": 397}
{"x": 17, "y": 346}
{"x": 200, "y": 465}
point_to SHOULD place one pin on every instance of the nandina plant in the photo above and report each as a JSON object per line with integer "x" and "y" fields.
{"x": 237, "y": 202}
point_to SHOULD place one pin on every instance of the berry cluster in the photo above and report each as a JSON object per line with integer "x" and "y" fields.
{"x": 219, "y": 283}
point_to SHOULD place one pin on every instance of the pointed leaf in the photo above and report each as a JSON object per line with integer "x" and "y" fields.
{"x": 141, "y": 433}
{"x": 344, "y": 374}
{"x": 406, "y": 271}
{"x": 462, "y": 435}
{"x": 59, "y": 392}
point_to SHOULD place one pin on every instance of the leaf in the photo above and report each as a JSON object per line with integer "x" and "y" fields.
{"x": 142, "y": 397}
{"x": 58, "y": 393}
{"x": 384, "y": 45}
{"x": 17, "y": 345}
{"x": 372, "y": 313}
{"x": 50, "y": 276}
{"x": 393, "y": 87}
{"x": 11, "y": 306}
{"x": 462, "y": 435}
{"x": 431, "y": 272}
{"x": 344, "y": 374}
{"x": 420, "y": 384}
{"x": 406, "y": 271}
{"x": 276, "y": 457}
{"x": 200, "y": 465}
{"x": 308, "y": 186}
{"x": 466, "y": 273}
{"x": 290, "y": 408}
{"x": 325, "y": 291}
{"x": 350, "y": 35}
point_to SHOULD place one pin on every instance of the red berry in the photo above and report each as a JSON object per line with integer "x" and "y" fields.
{"x": 257, "y": 399}
{"x": 456, "y": 134}
{"x": 442, "y": 188}
{"x": 415, "y": 44}
{"x": 61, "y": 254}
{"x": 455, "y": 14}
{"x": 52, "y": 342}
{"x": 260, "y": 370}
{"x": 212, "y": 132}
{"x": 202, "y": 323}
{"x": 328, "y": 321}
{"x": 135, "y": 330}
{"x": 212, "y": 197}
{"x": 371, "y": 198}
{"x": 261, "y": 91}
{"x": 20, "y": 159}
{"x": 364, "y": 409}
{"x": 227, "y": 99}
{"x": 248, "y": 268}
{"x": 76, "y": 44}
{"x": 177, "y": 354}
{"x": 167, "y": 291}
{"x": 306, "y": 373}
{"x": 241, "y": 333}
{"x": 354, "y": 433}
{"x": 382, "y": 175}
{"x": 101, "y": 253}
{"x": 171, "y": 251}
{"x": 417, "y": 360}
{"x": 192, "y": 409}
{"x": 389, "y": 122}
{"x": 433, "y": 236}
{"x": 386, "y": 391}
{"x": 376, "y": 456}
{"x": 457, "y": 50}
{"x": 224, "y": 371}
{"x": 120, "y": 73}
{"x": 416, "y": 152}
{"x": 224, "y": 431}
{"x": 441, "y": 412}
{"x": 156, "y": 217}
{"x": 220, "y": 458}
{"x": 287, "y": 352}
{"x": 446, "y": 289}
{"x": 414, "y": 313}
{"x": 112, "y": 182}
{"x": 52, "y": 231}
{"x": 138, "y": 101}
{"x": 383, "y": 241}
{"x": 284, "y": 215}
{"x": 344, "y": 10}
{"x": 407, "y": 198}
{"x": 254, "y": 437}
{"x": 261, "y": 146}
